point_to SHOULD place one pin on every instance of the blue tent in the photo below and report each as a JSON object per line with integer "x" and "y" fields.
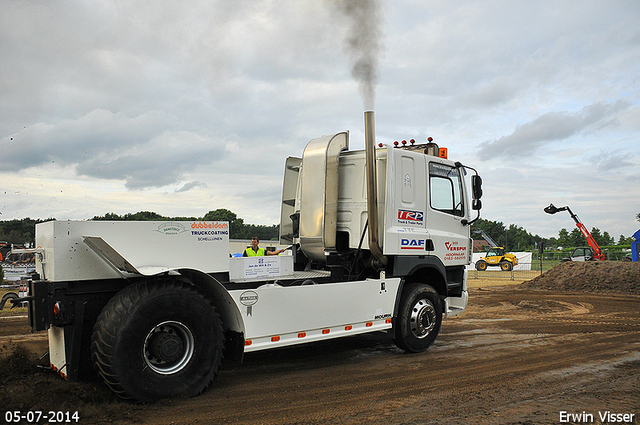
{"x": 635, "y": 245}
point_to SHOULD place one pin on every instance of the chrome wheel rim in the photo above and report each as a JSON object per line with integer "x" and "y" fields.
{"x": 168, "y": 347}
{"x": 423, "y": 318}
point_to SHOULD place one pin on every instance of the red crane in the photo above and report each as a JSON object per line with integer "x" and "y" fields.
{"x": 597, "y": 252}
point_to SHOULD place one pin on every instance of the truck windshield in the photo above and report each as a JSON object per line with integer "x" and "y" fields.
{"x": 445, "y": 185}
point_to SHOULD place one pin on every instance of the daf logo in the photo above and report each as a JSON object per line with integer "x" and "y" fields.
{"x": 412, "y": 244}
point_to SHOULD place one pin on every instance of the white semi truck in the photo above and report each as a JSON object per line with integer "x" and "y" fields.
{"x": 379, "y": 241}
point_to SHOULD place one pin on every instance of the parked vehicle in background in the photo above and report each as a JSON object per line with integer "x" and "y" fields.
{"x": 495, "y": 256}
{"x": 580, "y": 254}
{"x": 597, "y": 252}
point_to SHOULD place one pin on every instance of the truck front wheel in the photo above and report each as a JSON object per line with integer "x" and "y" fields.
{"x": 419, "y": 318}
{"x": 157, "y": 340}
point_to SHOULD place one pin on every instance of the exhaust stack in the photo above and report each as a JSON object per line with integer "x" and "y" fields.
{"x": 372, "y": 187}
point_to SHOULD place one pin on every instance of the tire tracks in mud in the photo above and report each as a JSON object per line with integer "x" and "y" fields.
{"x": 501, "y": 355}
{"x": 387, "y": 383}
{"x": 582, "y": 310}
{"x": 386, "y": 392}
{"x": 15, "y": 329}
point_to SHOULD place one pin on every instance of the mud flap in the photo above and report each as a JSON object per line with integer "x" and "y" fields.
{"x": 65, "y": 346}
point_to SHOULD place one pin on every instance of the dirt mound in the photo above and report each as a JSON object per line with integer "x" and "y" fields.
{"x": 591, "y": 276}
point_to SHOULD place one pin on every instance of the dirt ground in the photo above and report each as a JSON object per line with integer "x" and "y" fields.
{"x": 567, "y": 341}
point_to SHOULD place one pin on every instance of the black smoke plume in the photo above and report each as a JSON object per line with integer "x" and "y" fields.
{"x": 363, "y": 43}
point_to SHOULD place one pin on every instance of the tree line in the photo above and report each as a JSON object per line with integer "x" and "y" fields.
{"x": 516, "y": 238}
{"x": 238, "y": 229}
{"x": 22, "y": 231}
{"x": 513, "y": 237}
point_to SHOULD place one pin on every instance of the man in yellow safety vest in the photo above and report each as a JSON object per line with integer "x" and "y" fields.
{"x": 255, "y": 251}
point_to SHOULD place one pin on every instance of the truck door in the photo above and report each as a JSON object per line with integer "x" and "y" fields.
{"x": 445, "y": 211}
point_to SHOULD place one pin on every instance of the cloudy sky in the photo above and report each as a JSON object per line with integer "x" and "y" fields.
{"x": 182, "y": 107}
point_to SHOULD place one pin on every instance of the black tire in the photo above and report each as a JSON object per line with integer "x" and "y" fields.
{"x": 7, "y": 298}
{"x": 481, "y": 265}
{"x": 157, "y": 340}
{"x": 506, "y": 266}
{"x": 419, "y": 318}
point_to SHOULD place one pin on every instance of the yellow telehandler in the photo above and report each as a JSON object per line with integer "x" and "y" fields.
{"x": 495, "y": 256}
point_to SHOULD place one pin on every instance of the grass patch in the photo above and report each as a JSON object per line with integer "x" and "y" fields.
{"x": 499, "y": 278}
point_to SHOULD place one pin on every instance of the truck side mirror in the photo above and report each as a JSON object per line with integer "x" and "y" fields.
{"x": 476, "y": 194}
{"x": 476, "y": 188}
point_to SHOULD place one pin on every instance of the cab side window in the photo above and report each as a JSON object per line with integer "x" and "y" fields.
{"x": 445, "y": 184}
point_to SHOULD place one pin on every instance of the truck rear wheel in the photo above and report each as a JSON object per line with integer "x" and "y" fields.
{"x": 157, "y": 340}
{"x": 419, "y": 318}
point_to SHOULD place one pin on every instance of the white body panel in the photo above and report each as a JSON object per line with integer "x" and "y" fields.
{"x": 352, "y": 195}
{"x": 150, "y": 246}
{"x": 278, "y": 316}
